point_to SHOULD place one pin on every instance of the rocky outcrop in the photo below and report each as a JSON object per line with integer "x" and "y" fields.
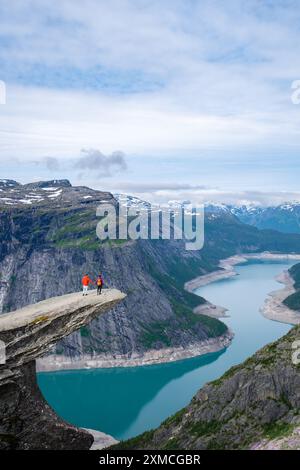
{"x": 290, "y": 441}
{"x": 255, "y": 404}
{"x": 101, "y": 440}
{"x": 26, "y": 420}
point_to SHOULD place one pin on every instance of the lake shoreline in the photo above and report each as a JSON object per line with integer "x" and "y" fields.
{"x": 226, "y": 267}
{"x": 274, "y": 308}
{"x": 166, "y": 355}
{"x": 151, "y": 357}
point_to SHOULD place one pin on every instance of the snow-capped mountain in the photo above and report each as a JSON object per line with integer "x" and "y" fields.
{"x": 132, "y": 201}
{"x": 45, "y": 193}
{"x": 8, "y": 183}
{"x": 284, "y": 217}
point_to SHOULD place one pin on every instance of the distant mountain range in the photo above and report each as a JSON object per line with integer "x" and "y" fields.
{"x": 284, "y": 217}
{"x": 55, "y": 193}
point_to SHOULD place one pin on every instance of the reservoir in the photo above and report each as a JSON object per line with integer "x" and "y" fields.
{"x": 124, "y": 402}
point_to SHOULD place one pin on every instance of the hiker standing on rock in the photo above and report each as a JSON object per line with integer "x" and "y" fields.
{"x": 85, "y": 284}
{"x": 99, "y": 283}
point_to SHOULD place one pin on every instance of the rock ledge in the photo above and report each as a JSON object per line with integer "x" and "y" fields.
{"x": 27, "y": 421}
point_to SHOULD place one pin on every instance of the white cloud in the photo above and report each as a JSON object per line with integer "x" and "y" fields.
{"x": 202, "y": 196}
{"x": 222, "y": 73}
{"x": 38, "y": 122}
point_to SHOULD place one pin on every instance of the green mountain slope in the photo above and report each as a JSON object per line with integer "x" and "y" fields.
{"x": 293, "y": 300}
{"x": 254, "y": 404}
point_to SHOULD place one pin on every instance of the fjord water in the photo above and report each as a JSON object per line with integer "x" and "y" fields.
{"x": 124, "y": 402}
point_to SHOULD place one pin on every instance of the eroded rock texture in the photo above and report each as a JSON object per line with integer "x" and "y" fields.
{"x": 26, "y": 420}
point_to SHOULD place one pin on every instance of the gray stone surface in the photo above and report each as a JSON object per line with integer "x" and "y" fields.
{"x": 101, "y": 440}
{"x": 26, "y": 420}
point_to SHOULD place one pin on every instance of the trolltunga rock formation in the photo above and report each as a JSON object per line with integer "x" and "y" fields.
{"x": 26, "y": 420}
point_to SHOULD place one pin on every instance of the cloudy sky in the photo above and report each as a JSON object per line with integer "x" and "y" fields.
{"x": 164, "y": 99}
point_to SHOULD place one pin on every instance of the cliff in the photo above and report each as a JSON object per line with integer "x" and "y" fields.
{"x": 48, "y": 239}
{"x": 253, "y": 405}
{"x": 27, "y": 421}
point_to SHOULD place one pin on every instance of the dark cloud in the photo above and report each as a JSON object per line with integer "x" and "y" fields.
{"x": 52, "y": 163}
{"x": 102, "y": 165}
{"x": 90, "y": 160}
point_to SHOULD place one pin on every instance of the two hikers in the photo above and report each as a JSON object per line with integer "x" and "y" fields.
{"x": 86, "y": 281}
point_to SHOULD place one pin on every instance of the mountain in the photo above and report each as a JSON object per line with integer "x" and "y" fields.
{"x": 132, "y": 201}
{"x": 285, "y": 217}
{"x": 48, "y": 240}
{"x": 255, "y": 405}
{"x": 8, "y": 184}
{"x": 55, "y": 193}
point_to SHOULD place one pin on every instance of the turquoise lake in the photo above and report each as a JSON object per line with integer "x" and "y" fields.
{"x": 124, "y": 402}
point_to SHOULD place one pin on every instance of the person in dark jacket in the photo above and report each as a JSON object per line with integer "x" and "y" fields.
{"x": 99, "y": 284}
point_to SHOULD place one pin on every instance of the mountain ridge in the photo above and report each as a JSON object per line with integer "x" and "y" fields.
{"x": 255, "y": 404}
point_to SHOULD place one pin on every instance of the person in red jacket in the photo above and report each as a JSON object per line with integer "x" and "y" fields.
{"x": 86, "y": 281}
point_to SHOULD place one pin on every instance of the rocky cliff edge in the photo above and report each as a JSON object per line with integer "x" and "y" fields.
{"x": 26, "y": 420}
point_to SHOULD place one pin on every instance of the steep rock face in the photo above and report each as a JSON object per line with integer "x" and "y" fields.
{"x": 26, "y": 420}
{"x": 145, "y": 320}
{"x": 248, "y": 407}
{"x": 48, "y": 240}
